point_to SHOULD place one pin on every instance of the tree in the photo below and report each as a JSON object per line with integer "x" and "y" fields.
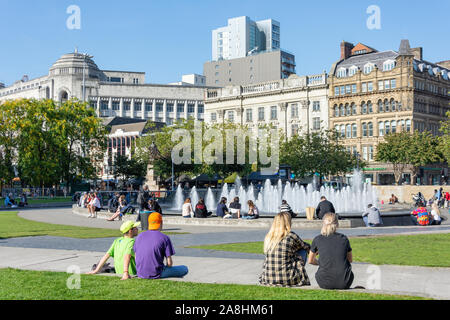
{"x": 403, "y": 149}
{"x": 316, "y": 152}
{"x": 128, "y": 168}
{"x": 444, "y": 144}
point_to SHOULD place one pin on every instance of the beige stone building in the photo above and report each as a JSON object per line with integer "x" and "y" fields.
{"x": 297, "y": 104}
{"x": 374, "y": 93}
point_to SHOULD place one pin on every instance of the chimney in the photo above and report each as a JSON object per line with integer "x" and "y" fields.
{"x": 417, "y": 52}
{"x": 346, "y": 49}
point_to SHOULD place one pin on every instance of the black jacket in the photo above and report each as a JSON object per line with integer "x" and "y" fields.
{"x": 200, "y": 211}
{"x": 323, "y": 208}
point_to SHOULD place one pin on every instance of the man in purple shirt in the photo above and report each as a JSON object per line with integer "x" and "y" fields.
{"x": 151, "y": 247}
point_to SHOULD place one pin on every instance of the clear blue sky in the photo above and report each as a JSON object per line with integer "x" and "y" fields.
{"x": 169, "y": 38}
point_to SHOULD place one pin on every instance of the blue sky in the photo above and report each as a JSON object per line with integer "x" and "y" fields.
{"x": 169, "y": 38}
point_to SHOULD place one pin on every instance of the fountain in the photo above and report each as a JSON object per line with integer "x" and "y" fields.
{"x": 350, "y": 199}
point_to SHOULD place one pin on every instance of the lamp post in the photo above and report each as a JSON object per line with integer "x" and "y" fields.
{"x": 85, "y": 55}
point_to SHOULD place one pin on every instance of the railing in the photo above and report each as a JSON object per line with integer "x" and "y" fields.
{"x": 34, "y": 192}
{"x": 130, "y": 196}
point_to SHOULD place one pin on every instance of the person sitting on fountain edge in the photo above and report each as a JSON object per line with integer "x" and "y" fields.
{"x": 285, "y": 207}
{"x": 372, "y": 217}
{"x": 200, "y": 210}
{"x": 222, "y": 210}
{"x": 324, "y": 207}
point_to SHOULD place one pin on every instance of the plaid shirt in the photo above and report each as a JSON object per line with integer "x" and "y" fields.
{"x": 283, "y": 266}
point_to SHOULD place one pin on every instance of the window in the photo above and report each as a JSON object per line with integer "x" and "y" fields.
{"x": 249, "y": 115}
{"x": 200, "y": 108}
{"x": 393, "y": 84}
{"x": 386, "y": 105}
{"x": 180, "y": 107}
{"x": 336, "y": 91}
{"x": 364, "y": 87}
{"x": 381, "y": 129}
{"x": 365, "y": 153}
{"x": 294, "y": 111}
{"x": 370, "y": 153}
{"x": 393, "y": 126}
{"x": 273, "y": 113}
{"x": 342, "y": 72}
{"x": 159, "y": 107}
{"x": 341, "y": 110}
{"x": 116, "y": 105}
{"x": 316, "y": 106}
{"x": 380, "y": 85}
{"x": 368, "y": 68}
{"x": 336, "y": 111}
{"x": 103, "y": 105}
{"x": 408, "y": 125}
{"x": 191, "y": 108}
{"x": 316, "y": 123}
{"x": 380, "y": 106}
{"x": 294, "y": 129}
{"x": 370, "y": 129}
{"x": 148, "y": 106}
{"x": 169, "y": 107}
{"x": 261, "y": 114}
{"x": 213, "y": 117}
{"x": 137, "y": 106}
{"x": 353, "y": 88}
{"x": 387, "y": 84}
{"x": 348, "y": 89}
{"x": 388, "y": 65}
{"x": 352, "y": 71}
{"x": 364, "y": 130}
{"x": 354, "y": 130}
{"x": 363, "y": 108}
{"x": 231, "y": 116}
{"x": 386, "y": 127}
{"x": 348, "y": 131}
{"x": 353, "y": 106}
{"x": 369, "y": 86}
{"x": 342, "y": 131}
{"x": 348, "y": 111}
{"x": 342, "y": 90}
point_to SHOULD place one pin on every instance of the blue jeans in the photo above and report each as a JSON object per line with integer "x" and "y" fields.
{"x": 248, "y": 217}
{"x": 174, "y": 272}
{"x": 304, "y": 254}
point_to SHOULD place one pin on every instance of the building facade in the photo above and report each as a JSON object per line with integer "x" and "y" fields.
{"x": 374, "y": 93}
{"x": 243, "y": 36}
{"x": 111, "y": 93}
{"x": 296, "y": 105}
{"x": 256, "y": 68}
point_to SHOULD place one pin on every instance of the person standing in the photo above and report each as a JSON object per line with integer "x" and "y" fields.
{"x": 151, "y": 248}
{"x": 324, "y": 207}
{"x": 143, "y": 197}
{"x": 335, "y": 256}
{"x": 285, "y": 255}
{"x": 122, "y": 252}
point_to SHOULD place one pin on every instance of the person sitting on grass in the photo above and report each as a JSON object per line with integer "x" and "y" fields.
{"x": 151, "y": 247}
{"x": 335, "y": 269}
{"x": 9, "y": 201}
{"x": 420, "y": 216}
{"x": 285, "y": 255}
{"x": 122, "y": 252}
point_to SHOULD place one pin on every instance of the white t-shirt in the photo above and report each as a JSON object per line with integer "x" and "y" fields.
{"x": 95, "y": 202}
{"x": 435, "y": 215}
{"x": 186, "y": 210}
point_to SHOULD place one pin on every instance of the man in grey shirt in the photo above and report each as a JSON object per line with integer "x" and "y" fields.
{"x": 372, "y": 217}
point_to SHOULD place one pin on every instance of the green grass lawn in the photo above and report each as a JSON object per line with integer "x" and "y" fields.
{"x": 427, "y": 250}
{"x": 38, "y": 285}
{"x": 12, "y": 226}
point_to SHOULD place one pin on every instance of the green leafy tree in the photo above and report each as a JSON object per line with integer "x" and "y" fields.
{"x": 126, "y": 168}
{"x": 445, "y": 138}
{"x": 317, "y": 152}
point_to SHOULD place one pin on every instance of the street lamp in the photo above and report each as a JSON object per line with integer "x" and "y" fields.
{"x": 85, "y": 55}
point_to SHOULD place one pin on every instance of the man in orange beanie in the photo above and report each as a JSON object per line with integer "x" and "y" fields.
{"x": 151, "y": 247}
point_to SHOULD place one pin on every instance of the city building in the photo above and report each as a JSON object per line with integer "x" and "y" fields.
{"x": 373, "y": 93}
{"x": 296, "y": 105}
{"x": 111, "y": 93}
{"x": 122, "y": 136}
{"x": 247, "y": 52}
{"x": 260, "y": 67}
{"x": 191, "y": 79}
{"x": 243, "y": 36}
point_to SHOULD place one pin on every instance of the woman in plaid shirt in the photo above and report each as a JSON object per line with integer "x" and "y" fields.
{"x": 284, "y": 265}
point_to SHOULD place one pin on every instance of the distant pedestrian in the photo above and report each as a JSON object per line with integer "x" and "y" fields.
{"x": 143, "y": 197}
{"x": 372, "y": 217}
{"x": 222, "y": 210}
{"x": 324, "y": 207}
{"x": 186, "y": 209}
{"x": 335, "y": 256}
{"x": 285, "y": 207}
{"x": 253, "y": 212}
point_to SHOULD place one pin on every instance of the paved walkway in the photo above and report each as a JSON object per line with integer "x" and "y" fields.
{"x": 209, "y": 266}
